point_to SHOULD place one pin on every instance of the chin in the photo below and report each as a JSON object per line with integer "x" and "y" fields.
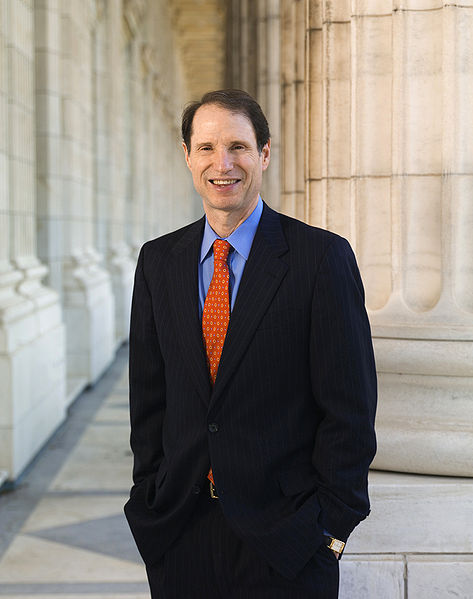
{"x": 224, "y": 203}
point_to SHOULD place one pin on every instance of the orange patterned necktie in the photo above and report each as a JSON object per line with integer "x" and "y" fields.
{"x": 216, "y": 314}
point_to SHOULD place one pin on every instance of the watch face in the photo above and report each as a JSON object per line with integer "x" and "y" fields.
{"x": 337, "y": 545}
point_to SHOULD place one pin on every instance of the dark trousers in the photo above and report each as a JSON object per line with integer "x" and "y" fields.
{"x": 209, "y": 561}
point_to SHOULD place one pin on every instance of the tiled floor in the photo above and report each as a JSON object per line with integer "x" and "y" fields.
{"x": 62, "y": 530}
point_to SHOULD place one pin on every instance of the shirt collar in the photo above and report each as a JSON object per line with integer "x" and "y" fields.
{"x": 242, "y": 237}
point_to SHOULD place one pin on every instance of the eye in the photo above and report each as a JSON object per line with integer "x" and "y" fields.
{"x": 238, "y": 147}
{"x": 205, "y": 148}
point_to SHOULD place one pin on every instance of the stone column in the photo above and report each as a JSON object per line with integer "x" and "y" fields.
{"x": 171, "y": 201}
{"x": 246, "y": 29}
{"x": 118, "y": 143}
{"x": 272, "y": 102}
{"x": 423, "y": 313}
{"x": 32, "y": 360}
{"x": 329, "y": 108}
{"x": 268, "y": 88}
{"x": 233, "y": 43}
{"x": 261, "y": 51}
{"x": 389, "y": 166}
{"x": 87, "y": 291}
{"x": 257, "y": 69}
{"x": 394, "y": 170}
{"x": 293, "y": 123}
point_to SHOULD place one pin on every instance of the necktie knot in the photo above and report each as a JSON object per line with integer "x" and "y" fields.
{"x": 221, "y": 250}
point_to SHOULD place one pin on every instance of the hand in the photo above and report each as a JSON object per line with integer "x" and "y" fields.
{"x": 337, "y": 555}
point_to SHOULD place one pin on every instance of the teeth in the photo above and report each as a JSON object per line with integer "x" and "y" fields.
{"x": 224, "y": 181}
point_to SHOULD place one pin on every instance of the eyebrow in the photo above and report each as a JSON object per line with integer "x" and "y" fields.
{"x": 231, "y": 143}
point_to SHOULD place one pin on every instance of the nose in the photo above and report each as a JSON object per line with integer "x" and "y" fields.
{"x": 223, "y": 160}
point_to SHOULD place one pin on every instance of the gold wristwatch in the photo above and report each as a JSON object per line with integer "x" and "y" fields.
{"x": 334, "y": 544}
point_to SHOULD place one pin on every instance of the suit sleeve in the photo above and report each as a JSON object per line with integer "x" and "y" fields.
{"x": 147, "y": 381}
{"x": 343, "y": 378}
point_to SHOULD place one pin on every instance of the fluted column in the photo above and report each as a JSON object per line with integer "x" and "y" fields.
{"x": 32, "y": 354}
{"x": 9, "y": 276}
{"x": 293, "y": 122}
{"x": 267, "y": 67}
{"x": 87, "y": 292}
{"x": 262, "y": 51}
{"x": 389, "y": 166}
{"x": 254, "y": 64}
{"x": 233, "y": 43}
{"x": 272, "y": 101}
{"x": 113, "y": 112}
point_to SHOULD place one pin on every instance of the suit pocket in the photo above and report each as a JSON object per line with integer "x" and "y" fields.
{"x": 299, "y": 478}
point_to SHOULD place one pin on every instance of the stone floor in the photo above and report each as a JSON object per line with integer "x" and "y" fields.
{"x": 63, "y": 534}
{"x": 62, "y": 530}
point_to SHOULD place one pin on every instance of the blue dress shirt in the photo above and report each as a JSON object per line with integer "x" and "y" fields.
{"x": 241, "y": 241}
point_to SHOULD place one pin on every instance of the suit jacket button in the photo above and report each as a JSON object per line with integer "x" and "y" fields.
{"x": 213, "y": 427}
{"x": 196, "y": 489}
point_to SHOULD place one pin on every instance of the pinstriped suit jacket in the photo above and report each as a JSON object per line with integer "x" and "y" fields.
{"x": 292, "y": 410}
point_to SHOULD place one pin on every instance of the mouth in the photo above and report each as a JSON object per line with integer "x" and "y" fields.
{"x": 224, "y": 182}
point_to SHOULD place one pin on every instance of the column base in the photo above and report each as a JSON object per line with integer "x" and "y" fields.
{"x": 122, "y": 270}
{"x": 417, "y": 542}
{"x": 425, "y": 424}
{"x": 32, "y": 371}
{"x": 90, "y": 321}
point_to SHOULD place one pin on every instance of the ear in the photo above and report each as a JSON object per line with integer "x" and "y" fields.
{"x": 186, "y": 153}
{"x": 266, "y": 153}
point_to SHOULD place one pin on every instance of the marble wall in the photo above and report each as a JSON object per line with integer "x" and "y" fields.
{"x": 90, "y": 167}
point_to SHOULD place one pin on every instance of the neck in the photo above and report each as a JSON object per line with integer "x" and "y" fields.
{"x": 224, "y": 223}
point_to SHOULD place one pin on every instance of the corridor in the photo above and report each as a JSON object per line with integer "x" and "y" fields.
{"x": 63, "y": 534}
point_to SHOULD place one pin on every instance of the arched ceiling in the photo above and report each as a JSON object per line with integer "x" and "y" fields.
{"x": 200, "y": 28}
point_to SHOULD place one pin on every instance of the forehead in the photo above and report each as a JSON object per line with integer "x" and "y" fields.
{"x": 215, "y": 121}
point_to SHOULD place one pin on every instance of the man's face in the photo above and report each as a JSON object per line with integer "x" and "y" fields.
{"x": 224, "y": 160}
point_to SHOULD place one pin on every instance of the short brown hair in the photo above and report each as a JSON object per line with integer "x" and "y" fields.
{"x": 234, "y": 100}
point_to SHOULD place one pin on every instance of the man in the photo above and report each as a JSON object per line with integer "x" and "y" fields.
{"x": 252, "y": 384}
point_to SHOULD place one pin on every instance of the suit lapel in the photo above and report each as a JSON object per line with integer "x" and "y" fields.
{"x": 261, "y": 278}
{"x": 184, "y": 293}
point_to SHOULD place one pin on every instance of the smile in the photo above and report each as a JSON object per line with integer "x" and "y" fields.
{"x": 223, "y": 181}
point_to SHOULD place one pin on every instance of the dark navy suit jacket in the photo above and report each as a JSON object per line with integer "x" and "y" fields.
{"x": 288, "y": 427}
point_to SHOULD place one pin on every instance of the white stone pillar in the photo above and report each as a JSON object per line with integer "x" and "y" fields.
{"x": 32, "y": 375}
{"x": 261, "y": 51}
{"x": 118, "y": 127}
{"x": 232, "y": 78}
{"x": 389, "y": 166}
{"x": 87, "y": 291}
{"x": 328, "y": 74}
{"x": 268, "y": 88}
{"x": 134, "y": 143}
{"x": 422, "y": 311}
{"x": 272, "y": 104}
{"x": 293, "y": 99}
{"x": 244, "y": 33}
